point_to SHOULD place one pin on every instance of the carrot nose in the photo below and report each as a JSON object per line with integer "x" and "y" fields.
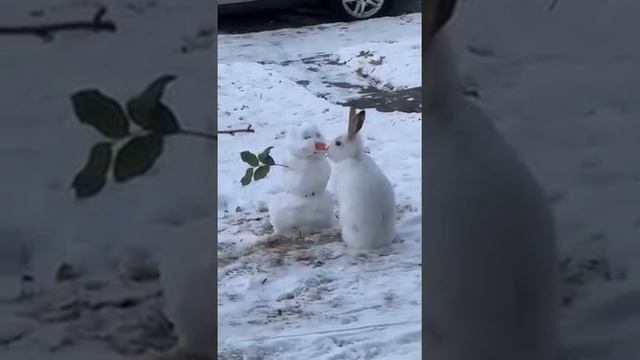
{"x": 321, "y": 146}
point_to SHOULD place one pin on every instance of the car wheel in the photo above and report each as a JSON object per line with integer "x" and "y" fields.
{"x": 360, "y": 9}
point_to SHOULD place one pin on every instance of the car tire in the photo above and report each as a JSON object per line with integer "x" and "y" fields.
{"x": 346, "y": 9}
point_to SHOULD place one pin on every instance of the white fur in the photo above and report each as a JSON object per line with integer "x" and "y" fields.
{"x": 187, "y": 274}
{"x": 489, "y": 246}
{"x": 365, "y": 195}
{"x": 304, "y": 205}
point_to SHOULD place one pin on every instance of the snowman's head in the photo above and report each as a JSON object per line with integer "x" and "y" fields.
{"x": 307, "y": 142}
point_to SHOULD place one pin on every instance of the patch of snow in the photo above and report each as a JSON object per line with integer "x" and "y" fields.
{"x": 390, "y": 65}
{"x": 325, "y": 59}
{"x": 563, "y": 88}
{"x": 312, "y": 297}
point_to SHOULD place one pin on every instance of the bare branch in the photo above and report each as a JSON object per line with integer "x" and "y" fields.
{"x": 46, "y": 30}
{"x": 249, "y": 129}
{"x": 209, "y": 136}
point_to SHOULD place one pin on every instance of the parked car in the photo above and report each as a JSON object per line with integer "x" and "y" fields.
{"x": 344, "y": 9}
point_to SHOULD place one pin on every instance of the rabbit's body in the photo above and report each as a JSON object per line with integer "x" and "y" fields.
{"x": 365, "y": 195}
{"x": 367, "y": 204}
{"x": 489, "y": 245}
{"x": 304, "y": 205}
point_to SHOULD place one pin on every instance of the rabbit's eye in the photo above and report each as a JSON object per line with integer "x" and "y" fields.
{"x": 338, "y": 142}
{"x": 306, "y": 136}
{"x": 317, "y": 135}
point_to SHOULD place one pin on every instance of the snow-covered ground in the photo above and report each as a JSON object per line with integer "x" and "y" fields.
{"x": 309, "y": 298}
{"x": 562, "y": 83}
{"x": 42, "y": 146}
{"x": 559, "y": 80}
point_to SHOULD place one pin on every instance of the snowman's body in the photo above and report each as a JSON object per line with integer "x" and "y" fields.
{"x": 306, "y": 177}
{"x": 304, "y": 205}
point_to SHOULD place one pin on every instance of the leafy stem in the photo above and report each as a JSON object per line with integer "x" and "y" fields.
{"x": 141, "y": 124}
{"x": 197, "y": 133}
{"x": 259, "y": 165}
{"x": 187, "y": 132}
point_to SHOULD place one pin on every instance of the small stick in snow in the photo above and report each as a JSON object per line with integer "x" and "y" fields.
{"x": 205, "y": 135}
{"x": 249, "y": 129}
{"x": 46, "y": 30}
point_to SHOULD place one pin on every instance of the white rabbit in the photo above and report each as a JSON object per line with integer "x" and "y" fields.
{"x": 489, "y": 247}
{"x": 365, "y": 195}
{"x": 304, "y": 205}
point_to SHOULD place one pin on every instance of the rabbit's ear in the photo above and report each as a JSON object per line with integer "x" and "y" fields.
{"x": 356, "y": 124}
{"x": 352, "y": 112}
{"x": 360, "y": 120}
{"x": 351, "y": 129}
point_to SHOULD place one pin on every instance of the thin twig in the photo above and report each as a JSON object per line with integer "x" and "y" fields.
{"x": 249, "y": 129}
{"x": 210, "y": 136}
{"x": 553, "y": 5}
{"x": 46, "y": 30}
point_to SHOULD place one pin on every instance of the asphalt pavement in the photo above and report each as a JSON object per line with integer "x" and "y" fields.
{"x": 247, "y": 22}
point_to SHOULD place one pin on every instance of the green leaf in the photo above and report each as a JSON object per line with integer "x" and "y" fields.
{"x": 137, "y": 157}
{"x": 139, "y": 112}
{"x": 261, "y": 172}
{"x": 155, "y": 90}
{"x": 246, "y": 179}
{"x": 164, "y": 121}
{"x": 143, "y": 108}
{"x": 249, "y": 158}
{"x": 266, "y": 151}
{"x": 265, "y": 158}
{"x": 268, "y": 160}
{"x": 101, "y": 112}
{"x": 93, "y": 176}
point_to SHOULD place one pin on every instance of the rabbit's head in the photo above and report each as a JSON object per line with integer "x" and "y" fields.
{"x": 348, "y": 145}
{"x": 307, "y": 142}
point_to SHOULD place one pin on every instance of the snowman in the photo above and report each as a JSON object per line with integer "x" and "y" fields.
{"x": 304, "y": 205}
